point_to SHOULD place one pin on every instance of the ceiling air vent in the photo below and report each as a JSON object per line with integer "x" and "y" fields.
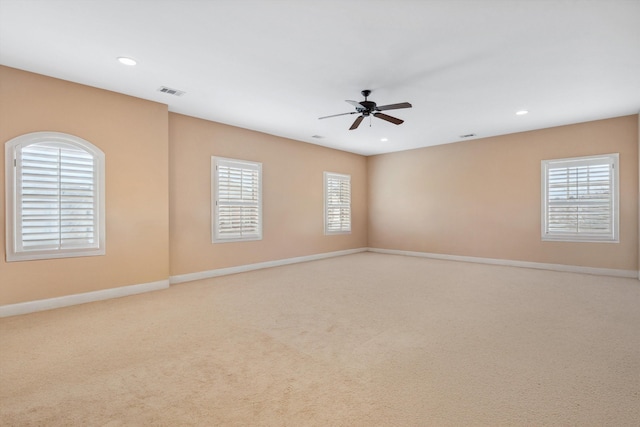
{"x": 169, "y": 91}
{"x": 469, "y": 135}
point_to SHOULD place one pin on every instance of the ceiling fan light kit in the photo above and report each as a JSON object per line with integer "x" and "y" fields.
{"x": 368, "y": 108}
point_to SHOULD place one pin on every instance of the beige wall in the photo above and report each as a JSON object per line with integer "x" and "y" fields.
{"x": 145, "y": 147}
{"x": 292, "y": 196}
{"x": 133, "y": 135}
{"x": 482, "y": 198}
{"x": 478, "y": 198}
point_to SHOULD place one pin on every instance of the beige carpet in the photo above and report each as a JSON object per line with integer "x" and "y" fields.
{"x": 361, "y": 340}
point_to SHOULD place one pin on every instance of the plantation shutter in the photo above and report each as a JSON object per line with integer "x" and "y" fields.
{"x": 581, "y": 198}
{"x": 237, "y": 201}
{"x": 337, "y": 203}
{"x": 56, "y": 198}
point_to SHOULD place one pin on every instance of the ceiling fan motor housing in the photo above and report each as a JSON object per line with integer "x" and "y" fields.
{"x": 367, "y": 107}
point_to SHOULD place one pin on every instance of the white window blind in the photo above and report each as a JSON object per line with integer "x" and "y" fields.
{"x": 337, "y": 205}
{"x": 55, "y": 197}
{"x": 237, "y": 200}
{"x": 580, "y": 199}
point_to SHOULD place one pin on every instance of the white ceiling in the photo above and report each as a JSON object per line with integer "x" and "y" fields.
{"x": 275, "y": 66}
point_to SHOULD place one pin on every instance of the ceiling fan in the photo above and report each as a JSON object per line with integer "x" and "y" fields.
{"x": 367, "y": 108}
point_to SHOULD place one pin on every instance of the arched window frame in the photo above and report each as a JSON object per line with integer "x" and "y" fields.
{"x": 16, "y": 248}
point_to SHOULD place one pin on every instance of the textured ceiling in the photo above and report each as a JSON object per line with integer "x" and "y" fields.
{"x": 277, "y": 65}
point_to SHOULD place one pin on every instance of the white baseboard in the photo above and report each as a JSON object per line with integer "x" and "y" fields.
{"x": 65, "y": 301}
{"x": 188, "y": 277}
{"x": 511, "y": 263}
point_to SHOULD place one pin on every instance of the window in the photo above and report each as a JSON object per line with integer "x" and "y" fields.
{"x": 54, "y": 197}
{"x": 337, "y": 203}
{"x": 580, "y": 199}
{"x": 236, "y": 200}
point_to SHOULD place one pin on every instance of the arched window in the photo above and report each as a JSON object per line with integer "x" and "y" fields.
{"x": 54, "y": 197}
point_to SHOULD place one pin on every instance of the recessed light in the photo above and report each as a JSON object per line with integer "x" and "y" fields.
{"x": 127, "y": 61}
{"x": 317, "y": 136}
{"x": 384, "y": 139}
{"x": 522, "y": 112}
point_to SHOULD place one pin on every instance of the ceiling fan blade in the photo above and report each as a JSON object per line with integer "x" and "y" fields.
{"x": 393, "y": 106}
{"x": 336, "y": 115}
{"x": 356, "y": 123}
{"x": 393, "y": 120}
{"x": 354, "y": 103}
